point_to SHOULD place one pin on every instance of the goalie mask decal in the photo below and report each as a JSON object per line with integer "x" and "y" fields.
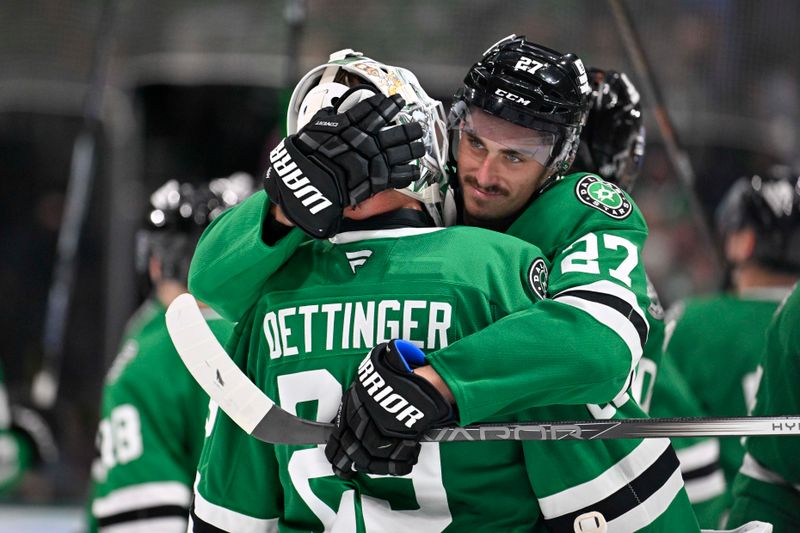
{"x": 537, "y": 278}
{"x": 603, "y": 196}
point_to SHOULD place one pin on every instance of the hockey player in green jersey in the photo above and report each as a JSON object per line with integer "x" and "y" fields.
{"x": 767, "y": 486}
{"x": 258, "y": 245}
{"x": 717, "y": 340}
{"x": 153, "y": 412}
{"x": 613, "y": 146}
{"x": 305, "y": 337}
{"x": 604, "y": 273}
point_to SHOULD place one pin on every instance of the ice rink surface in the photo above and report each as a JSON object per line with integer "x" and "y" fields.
{"x": 38, "y": 519}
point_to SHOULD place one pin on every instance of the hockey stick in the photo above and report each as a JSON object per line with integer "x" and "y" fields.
{"x": 44, "y": 388}
{"x": 675, "y": 152}
{"x": 255, "y": 413}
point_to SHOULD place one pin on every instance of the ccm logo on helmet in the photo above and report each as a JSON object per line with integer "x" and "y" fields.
{"x": 293, "y": 178}
{"x": 511, "y": 96}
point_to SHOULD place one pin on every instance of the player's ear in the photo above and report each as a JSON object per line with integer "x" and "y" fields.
{"x": 740, "y": 245}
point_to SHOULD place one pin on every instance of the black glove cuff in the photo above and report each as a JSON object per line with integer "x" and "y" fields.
{"x": 271, "y": 230}
{"x": 308, "y": 194}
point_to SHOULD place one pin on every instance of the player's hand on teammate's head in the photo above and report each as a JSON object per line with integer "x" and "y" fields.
{"x": 385, "y": 413}
{"x": 341, "y": 158}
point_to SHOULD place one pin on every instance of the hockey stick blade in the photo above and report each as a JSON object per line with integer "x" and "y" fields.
{"x": 254, "y": 412}
{"x": 228, "y": 386}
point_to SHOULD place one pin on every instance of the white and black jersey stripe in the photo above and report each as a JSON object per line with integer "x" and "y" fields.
{"x": 630, "y": 494}
{"x": 752, "y": 468}
{"x": 616, "y": 308}
{"x": 207, "y": 517}
{"x": 156, "y": 506}
{"x": 702, "y": 474}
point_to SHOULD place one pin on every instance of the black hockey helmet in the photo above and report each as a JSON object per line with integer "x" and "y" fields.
{"x": 612, "y": 141}
{"x": 770, "y": 205}
{"x": 531, "y": 86}
{"x": 177, "y": 214}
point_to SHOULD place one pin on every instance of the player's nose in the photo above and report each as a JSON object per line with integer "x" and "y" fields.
{"x": 486, "y": 174}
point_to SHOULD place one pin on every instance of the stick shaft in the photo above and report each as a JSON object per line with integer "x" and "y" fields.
{"x": 674, "y": 148}
{"x": 253, "y": 411}
{"x": 633, "y": 428}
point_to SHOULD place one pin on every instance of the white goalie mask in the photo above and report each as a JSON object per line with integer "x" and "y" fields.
{"x": 325, "y": 83}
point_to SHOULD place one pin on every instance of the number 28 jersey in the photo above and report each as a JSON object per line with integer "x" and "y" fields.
{"x": 150, "y": 433}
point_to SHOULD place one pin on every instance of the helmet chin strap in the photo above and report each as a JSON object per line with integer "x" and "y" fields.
{"x": 554, "y": 175}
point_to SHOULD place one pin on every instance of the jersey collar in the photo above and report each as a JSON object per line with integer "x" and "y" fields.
{"x": 362, "y": 235}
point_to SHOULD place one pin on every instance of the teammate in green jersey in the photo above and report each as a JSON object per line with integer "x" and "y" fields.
{"x": 767, "y": 486}
{"x": 717, "y": 340}
{"x": 152, "y": 415}
{"x": 306, "y": 335}
{"x": 613, "y": 146}
{"x": 243, "y": 248}
{"x": 515, "y": 126}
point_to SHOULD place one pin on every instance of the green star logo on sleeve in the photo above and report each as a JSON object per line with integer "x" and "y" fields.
{"x": 537, "y": 278}
{"x": 603, "y": 196}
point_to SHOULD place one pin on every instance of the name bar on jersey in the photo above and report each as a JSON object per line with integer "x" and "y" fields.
{"x": 356, "y": 325}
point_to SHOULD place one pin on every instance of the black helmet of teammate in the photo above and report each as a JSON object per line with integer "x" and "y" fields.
{"x": 770, "y": 205}
{"x": 612, "y": 141}
{"x": 531, "y": 86}
{"x": 177, "y": 215}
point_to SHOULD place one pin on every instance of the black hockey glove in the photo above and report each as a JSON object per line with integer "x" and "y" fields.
{"x": 341, "y": 159}
{"x": 384, "y": 414}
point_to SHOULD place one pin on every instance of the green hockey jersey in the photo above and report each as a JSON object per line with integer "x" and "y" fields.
{"x": 593, "y": 243}
{"x": 151, "y": 429}
{"x": 663, "y": 392}
{"x": 767, "y": 486}
{"x": 699, "y": 457}
{"x": 231, "y": 261}
{"x": 301, "y": 343}
{"x": 587, "y": 340}
{"x": 716, "y": 343}
{"x": 597, "y": 237}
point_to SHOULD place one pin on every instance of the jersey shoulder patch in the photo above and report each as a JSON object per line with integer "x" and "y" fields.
{"x": 537, "y": 278}
{"x": 606, "y": 197}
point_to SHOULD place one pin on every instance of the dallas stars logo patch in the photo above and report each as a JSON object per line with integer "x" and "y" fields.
{"x": 537, "y": 278}
{"x": 603, "y": 196}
